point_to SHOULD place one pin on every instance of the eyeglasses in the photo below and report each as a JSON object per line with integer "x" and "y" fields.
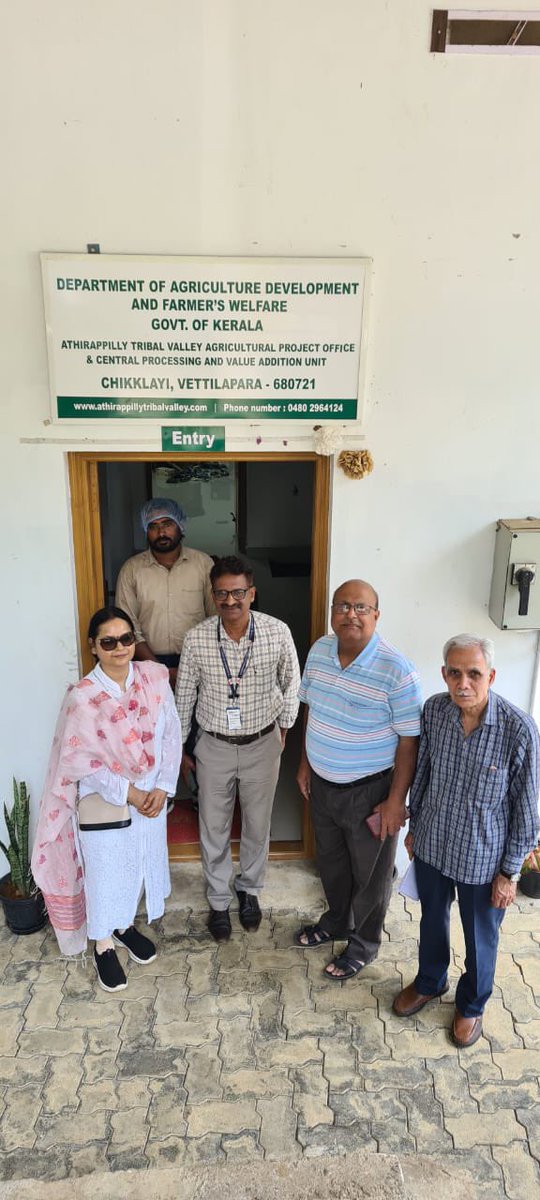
{"x": 360, "y": 609}
{"x": 236, "y": 593}
{"x": 110, "y": 643}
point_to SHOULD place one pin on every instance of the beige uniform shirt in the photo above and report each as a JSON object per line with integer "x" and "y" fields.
{"x": 163, "y": 604}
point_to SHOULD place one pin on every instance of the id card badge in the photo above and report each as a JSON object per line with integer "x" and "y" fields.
{"x": 234, "y": 719}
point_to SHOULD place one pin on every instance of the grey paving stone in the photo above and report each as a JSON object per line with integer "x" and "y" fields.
{"x": 99, "y": 1066}
{"x": 20, "y": 972}
{"x": 128, "y": 1160}
{"x": 243, "y": 1147}
{"x": 451, "y": 1084}
{"x": 492, "y": 1096}
{"x": 136, "y": 1029}
{"x": 393, "y": 1137}
{"x": 22, "y": 1106}
{"x": 310, "y": 1098}
{"x": 151, "y": 1063}
{"x": 88, "y": 1159}
{"x": 400, "y": 1075}
{"x": 19, "y": 1071}
{"x": 244, "y": 981}
{"x": 358, "y": 1105}
{"x": 530, "y": 1119}
{"x": 426, "y": 1121}
{"x": 70, "y": 1129}
{"x": 35, "y": 1164}
{"x": 61, "y": 1089}
{"x": 480, "y": 1165}
{"x": 203, "y": 972}
{"x": 339, "y": 1064}
{"x": 521, "y": 1172}
{"x": 368, "y": 1036}
{"x": 185, "y": 1151}
{"x": 278, "y": 1128}
{"x": 272, "y": 1082}
{"x": 267, "y": 1015}
{"x": 326, "y": 1139}
{"x": 235, "y": 1116}
{"x": 202, "y": 1080}
{"x": 236, "y": 1043}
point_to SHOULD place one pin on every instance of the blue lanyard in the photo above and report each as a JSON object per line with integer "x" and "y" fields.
{"x": 233, "y": 687}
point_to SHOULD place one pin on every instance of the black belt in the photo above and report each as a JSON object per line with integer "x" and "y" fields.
{"x": 241, "y": 741}
{"x": 359, "y": 782}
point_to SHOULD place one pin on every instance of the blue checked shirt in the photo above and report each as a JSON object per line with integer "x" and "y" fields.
{"x": 358, "y": 713}
{"x": 474, "y": 800}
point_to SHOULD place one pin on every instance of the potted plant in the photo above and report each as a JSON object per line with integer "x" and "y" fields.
{"x": 23, "y": 903}
{"x": 529, "y": 880}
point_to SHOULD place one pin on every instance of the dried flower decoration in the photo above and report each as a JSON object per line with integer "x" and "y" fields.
{"x": 355, "y": 463}
{"x": 327, "y": 439}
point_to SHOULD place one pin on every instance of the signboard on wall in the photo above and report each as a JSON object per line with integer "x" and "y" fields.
{"x": 200, "y": 338}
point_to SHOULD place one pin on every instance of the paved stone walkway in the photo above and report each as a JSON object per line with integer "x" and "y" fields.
{"x": 229, "y": 1053}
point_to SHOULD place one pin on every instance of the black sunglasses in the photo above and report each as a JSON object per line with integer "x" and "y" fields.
{"x": 110, "y": 643}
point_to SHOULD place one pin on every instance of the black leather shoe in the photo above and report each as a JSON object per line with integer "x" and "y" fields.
{"x": 219, "y": 925}
{"x": 249, "y": 911}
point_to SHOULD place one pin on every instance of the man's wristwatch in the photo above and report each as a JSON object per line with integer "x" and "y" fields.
{"x": 513, "y": 878}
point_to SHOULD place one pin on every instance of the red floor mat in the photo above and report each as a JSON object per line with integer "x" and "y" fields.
{"x": 183, "y": 824}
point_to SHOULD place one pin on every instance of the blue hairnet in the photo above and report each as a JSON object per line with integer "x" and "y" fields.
{"x": 160, "y": 507}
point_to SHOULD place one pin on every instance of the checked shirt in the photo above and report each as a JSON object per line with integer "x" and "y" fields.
{"x": 474, "y": 800}
{"x": 267, "y": 692}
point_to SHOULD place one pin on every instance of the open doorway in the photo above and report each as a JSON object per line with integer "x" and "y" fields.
{"x": 273, "y": 510}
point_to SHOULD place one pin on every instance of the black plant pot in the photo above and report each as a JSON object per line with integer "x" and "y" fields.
{"x": 23, "y": 914}
{"x": 529, "y": 884}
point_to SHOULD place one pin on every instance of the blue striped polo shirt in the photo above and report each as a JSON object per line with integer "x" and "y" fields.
{"x": 358, "y": 713}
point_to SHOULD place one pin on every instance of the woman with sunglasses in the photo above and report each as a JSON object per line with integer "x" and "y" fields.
{"x": 116, "y": 752}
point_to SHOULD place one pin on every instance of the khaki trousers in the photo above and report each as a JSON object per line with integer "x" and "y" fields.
{"x": 223, "y": 768}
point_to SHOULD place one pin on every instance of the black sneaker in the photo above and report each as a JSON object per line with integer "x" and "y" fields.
{"x": 248, "y": 911}
{"x": 109, "y": 972}
{"x": 139, "y": 947}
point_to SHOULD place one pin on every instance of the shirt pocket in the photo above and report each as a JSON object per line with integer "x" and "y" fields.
{"x": 263, "y": 679}
{"x": 489, "y": 786}
{"x": 188, "y": 606}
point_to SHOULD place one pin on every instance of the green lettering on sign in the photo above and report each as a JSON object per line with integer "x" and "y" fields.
{"x": 191, "y": 437}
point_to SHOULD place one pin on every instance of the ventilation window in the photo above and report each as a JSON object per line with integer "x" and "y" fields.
{"x": 468, "y": 32}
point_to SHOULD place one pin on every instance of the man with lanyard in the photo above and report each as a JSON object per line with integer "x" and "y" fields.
{"x": 240, "y": 672}
{"x": 166, "y": 589}
{"x": 361, "y": 738}
{"x": 474, "y": 818}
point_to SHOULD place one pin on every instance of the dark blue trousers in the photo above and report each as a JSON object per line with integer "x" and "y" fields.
{"x": 481, "y": 923}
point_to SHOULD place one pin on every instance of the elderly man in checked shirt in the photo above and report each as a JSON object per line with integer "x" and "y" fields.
{"x": 474, "y": 817}
{"x": 241, "y": 670}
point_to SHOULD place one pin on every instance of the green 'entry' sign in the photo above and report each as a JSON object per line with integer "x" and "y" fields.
{"x": 191, "y": 437}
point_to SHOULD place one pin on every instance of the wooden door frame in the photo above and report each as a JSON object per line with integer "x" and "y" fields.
{"x": 88, "y": 559}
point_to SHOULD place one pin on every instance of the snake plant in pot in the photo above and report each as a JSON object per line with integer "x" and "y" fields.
{"x": 23, "y": 903}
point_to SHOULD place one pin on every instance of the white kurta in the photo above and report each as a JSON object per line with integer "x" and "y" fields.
{"x": 119, "y": 864}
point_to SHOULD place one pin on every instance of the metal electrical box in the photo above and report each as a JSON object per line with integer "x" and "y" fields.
{"x": 514, "y": 602}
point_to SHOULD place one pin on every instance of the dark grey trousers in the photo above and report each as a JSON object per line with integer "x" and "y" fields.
{"x": 356, "y": 868}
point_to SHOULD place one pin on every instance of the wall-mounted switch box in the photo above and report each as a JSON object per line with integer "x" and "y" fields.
{"x": 514, "y": 602}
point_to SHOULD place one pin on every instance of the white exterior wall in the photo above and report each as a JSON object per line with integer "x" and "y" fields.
{"x": 240, "y": 127}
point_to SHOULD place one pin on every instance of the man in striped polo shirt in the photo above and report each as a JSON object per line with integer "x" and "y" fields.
{"x": 360, "y": 746}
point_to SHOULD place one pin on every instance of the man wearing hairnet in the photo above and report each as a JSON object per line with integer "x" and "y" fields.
{"x": 166, "y": 589}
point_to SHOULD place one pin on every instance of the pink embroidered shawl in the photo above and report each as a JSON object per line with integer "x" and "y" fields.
{"x": 94, "y": 730}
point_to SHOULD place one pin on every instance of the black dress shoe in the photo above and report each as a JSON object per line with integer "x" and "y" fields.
{"x": 249, "y": 911}
{"x": 219, "y": 925}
